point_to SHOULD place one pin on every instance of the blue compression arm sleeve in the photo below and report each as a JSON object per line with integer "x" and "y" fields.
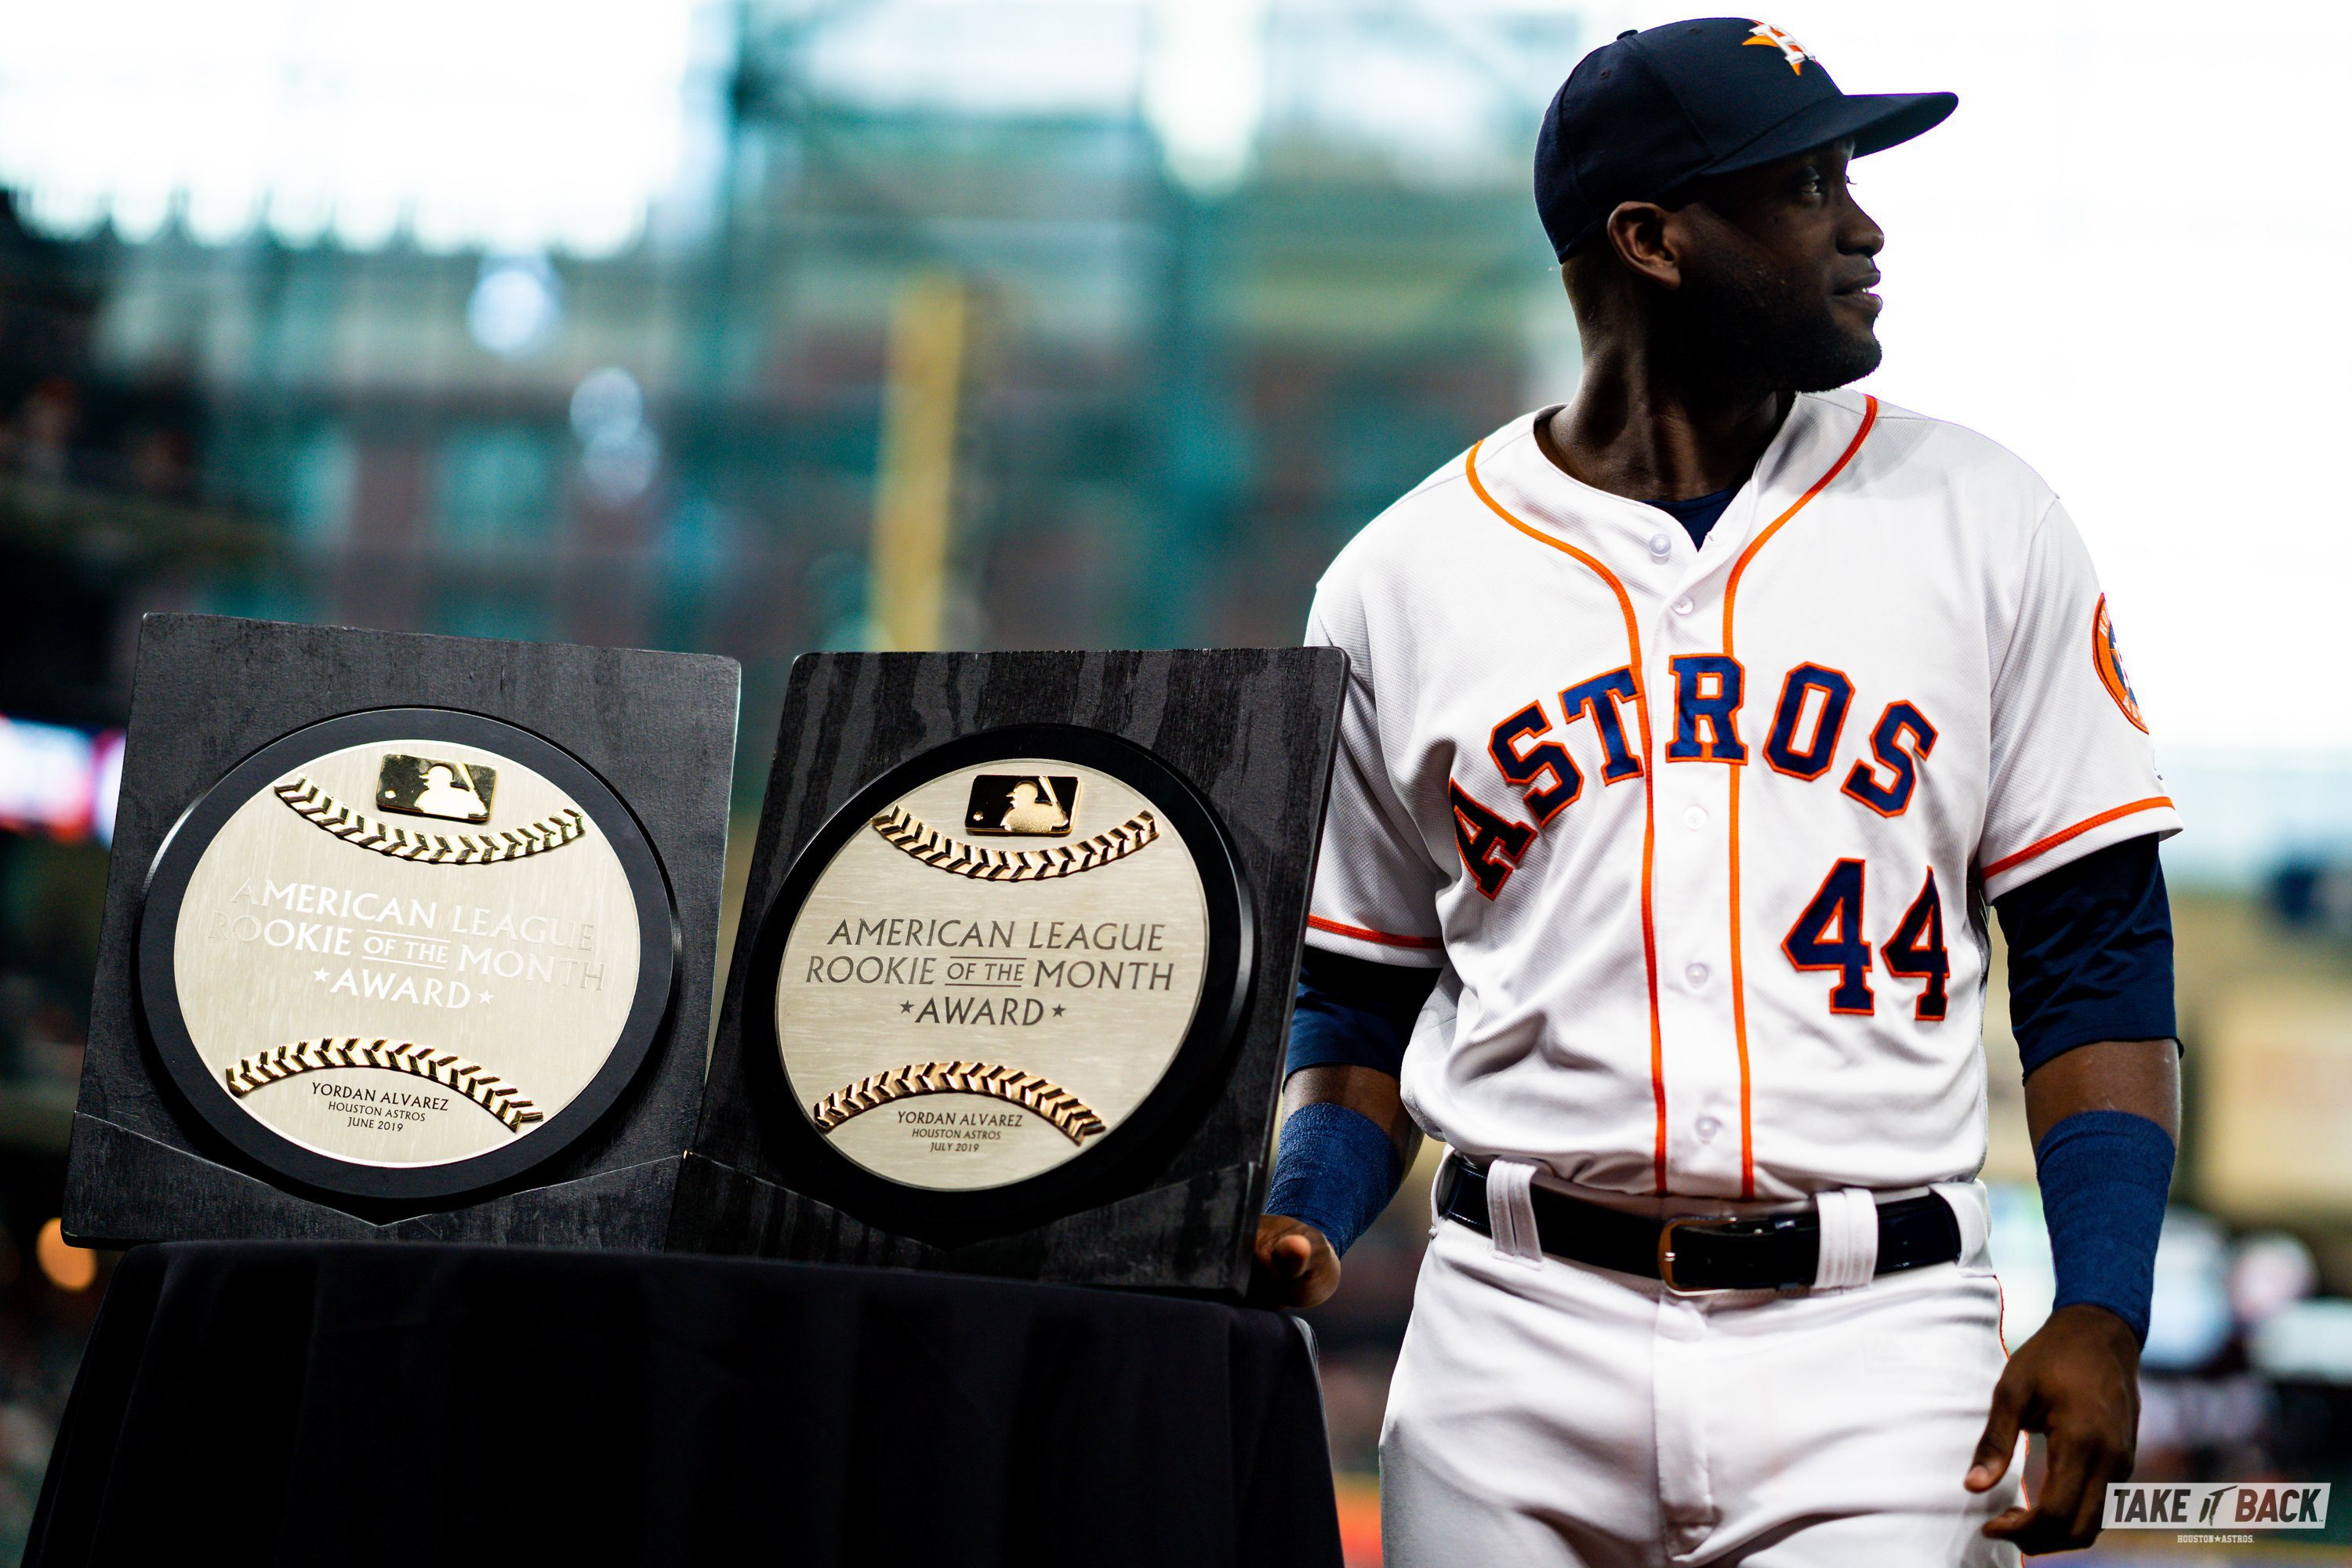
{"x": 1336, "y": 1170}
{"x": 2089, "y": 952}
{"x": 1352, "y": 1012}
{"x": 2105, "y": 1175}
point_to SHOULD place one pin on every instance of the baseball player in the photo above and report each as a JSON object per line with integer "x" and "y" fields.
{"x": 1692, "y": 726}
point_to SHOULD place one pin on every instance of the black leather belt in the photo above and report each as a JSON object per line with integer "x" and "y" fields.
{"x": 1704, "y": 1252}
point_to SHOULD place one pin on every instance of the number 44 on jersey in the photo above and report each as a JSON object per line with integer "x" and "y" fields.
{"x": 1808, "y": 721}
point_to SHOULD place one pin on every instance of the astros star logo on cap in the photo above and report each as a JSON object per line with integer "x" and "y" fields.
{"x": 1795, "y": 53}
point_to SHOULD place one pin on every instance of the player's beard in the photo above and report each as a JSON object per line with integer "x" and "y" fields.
{"x": 1747, "y": 329}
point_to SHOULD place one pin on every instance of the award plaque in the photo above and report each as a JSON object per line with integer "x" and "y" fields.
{"x": 408, "y": 928}
{"x": 994, "y": 1007}
{"x": 413, "y": 1011}
{"x": 967, "y": 1019}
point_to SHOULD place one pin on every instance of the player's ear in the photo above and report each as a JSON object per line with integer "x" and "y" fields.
{"x": 1637, "y": 232}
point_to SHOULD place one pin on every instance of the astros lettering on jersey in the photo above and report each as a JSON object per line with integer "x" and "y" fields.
{"x": 1704, "y": 836}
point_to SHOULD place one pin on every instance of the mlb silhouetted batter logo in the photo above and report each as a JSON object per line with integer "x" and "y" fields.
{"x": 433, "y": 786}
{"x": 1031, "y": 805}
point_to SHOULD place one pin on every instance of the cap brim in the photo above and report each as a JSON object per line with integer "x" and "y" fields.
{"x": 1875, "y": 121}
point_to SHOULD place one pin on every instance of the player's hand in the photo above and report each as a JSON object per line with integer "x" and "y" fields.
{"x": 2078, "y": 1379}
{"x": 1294, "y": 1265}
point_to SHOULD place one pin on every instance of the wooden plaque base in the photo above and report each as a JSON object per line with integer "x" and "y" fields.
{"x": 658, "y": 729}
{"x": 1253, "y": 731}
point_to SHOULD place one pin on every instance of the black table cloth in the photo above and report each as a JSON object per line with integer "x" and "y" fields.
{"x": 353, "y": 1404}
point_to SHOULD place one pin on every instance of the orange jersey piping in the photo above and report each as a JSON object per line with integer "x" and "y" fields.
{"x": 1386, "y": 939}
{"x": 1738, "y": 973}
{"x": 1649, "y": 793}
{"x": 2064, "y": 834}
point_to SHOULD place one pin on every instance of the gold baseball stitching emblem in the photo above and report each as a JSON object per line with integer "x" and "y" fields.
{"x": 450, "y": 1071}
{"x": 321, "y": 810}
{"x": 932, "y": 847}
{"x": 1026, "y": 1090}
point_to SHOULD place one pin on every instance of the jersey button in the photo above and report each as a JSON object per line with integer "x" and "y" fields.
{"x": 1683, "y": 606}
{"x": 1693, "y": 817}
{"x": 1695, "y": 974}
{"x": 1707, "y": 1127}
{"x": 1660, "y": 547}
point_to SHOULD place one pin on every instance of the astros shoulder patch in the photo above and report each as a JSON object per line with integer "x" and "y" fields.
{"x": 2110, "y": 664}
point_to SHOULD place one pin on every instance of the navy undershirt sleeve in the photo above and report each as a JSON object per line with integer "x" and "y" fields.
{"x": 1352, "y": 1012}
{"x": 2089, "y": 952}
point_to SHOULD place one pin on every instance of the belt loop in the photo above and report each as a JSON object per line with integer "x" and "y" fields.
{"x": 1849, "y": 1238}
{"x": 1970, "y": 1205}
{"x": 1510, "y": 1213}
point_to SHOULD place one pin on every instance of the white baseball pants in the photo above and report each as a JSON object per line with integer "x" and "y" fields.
{"x": 1547, "y": 1413}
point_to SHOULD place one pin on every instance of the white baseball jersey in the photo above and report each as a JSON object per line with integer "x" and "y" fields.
{"x": 1702, "y": 837}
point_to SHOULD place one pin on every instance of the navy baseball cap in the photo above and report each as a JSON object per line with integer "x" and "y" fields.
{"x": 1640, "y": 116}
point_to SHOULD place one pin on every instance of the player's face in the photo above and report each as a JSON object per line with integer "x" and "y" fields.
{"x": 1777, "y": 273}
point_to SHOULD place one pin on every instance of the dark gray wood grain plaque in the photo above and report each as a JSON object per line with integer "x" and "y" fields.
{"x": 212, "y": 694}
{"x": 1251, "y": 732}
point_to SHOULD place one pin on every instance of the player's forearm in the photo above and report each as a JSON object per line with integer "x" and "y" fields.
{"x": 1369, "y": 1093}
{"x": 2105, "y": 1123}
{"x": 1346, "y": 1139}
{"x": 2142, "y": 1077}
{"x": 2090, "y": 970}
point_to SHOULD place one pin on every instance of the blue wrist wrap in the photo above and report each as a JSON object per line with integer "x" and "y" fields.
{"x": 1336, "y": 1170}
{"x": 2105, "y": 1175}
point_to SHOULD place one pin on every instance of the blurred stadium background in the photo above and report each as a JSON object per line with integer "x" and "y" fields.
{"x": 758, "y": 326}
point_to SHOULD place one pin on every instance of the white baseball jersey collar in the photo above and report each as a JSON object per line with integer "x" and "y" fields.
{"x": 1641, "y": 538}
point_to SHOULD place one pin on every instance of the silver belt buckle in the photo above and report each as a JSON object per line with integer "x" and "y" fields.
{"x": 1666, "y": 1254}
